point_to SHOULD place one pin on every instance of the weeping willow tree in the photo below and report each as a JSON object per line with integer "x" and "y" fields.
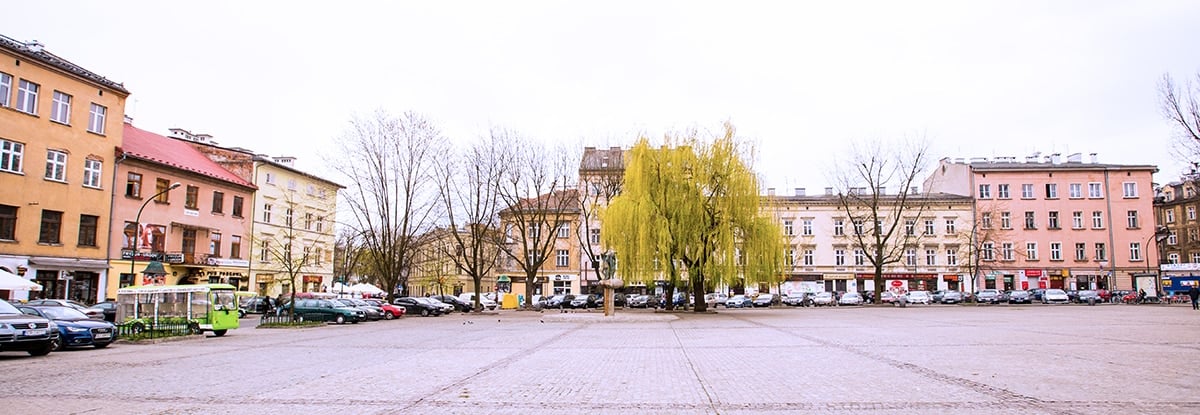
{"x": 690, "y": 214}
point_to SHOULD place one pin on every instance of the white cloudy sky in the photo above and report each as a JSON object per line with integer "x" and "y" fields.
{"x": 977, "y": 78}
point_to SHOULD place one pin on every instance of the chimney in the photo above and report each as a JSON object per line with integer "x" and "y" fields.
{"x": 1056, "y": 158}
{"x": 1095, "y": 159}
{"x": 285, "y": 160}
{"x": 799, "y": 191}
{"x": 34, "y": 46}
{"x": 128, "y": 119}
{"x": 1075, "y": 158}
{"x": 828, "y": 191}
{"x": 770, "y": 191}
{"x": 914, "y": 191}
{"x": 881, "y": 190}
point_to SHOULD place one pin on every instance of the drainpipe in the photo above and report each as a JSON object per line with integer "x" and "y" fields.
{"x": 112, "y": 204}
{"x": 1112, "y": 250}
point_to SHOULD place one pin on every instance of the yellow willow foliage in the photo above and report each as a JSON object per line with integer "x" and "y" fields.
{"x": 691, "y": 205}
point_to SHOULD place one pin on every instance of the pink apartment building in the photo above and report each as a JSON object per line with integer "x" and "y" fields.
{"x": 1046, "y": 222}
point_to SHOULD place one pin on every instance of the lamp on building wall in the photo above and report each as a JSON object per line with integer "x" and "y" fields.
{"x": 21, "y": 270}
{"x": 137, "y": 224}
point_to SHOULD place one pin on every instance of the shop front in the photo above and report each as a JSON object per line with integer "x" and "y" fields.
{"x": 840, "y": 283}
{"x": 1179, "y": 278}
{"x": 906, "y": 281}
{"x": 75, "y": 279}
{"x": 953, "y": 281}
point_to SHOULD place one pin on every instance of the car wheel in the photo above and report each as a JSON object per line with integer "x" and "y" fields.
{"x": 42, "y": 351}
{"x": 57, "y": 343}
{"x": 220, "y": 333}
{"x": 424, "y": 312}
{"x": 242, "y": 313}
{"x": 340, "y": 319}
{"x": 388, "y": 316}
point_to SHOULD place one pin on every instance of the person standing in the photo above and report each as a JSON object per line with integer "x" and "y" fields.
{"x": 1194, "y": 293}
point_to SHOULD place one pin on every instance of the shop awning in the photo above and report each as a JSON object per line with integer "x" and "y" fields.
{"x": 69, "y": 263}
{"x": 503, "y": 278}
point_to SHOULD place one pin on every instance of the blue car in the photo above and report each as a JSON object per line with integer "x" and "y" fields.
{"x": 75, "y": 328}
{"x": 739, "y": 301}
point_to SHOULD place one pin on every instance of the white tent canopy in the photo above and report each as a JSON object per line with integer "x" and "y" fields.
{"x": 362, "y": 288}
{"x": 13, "y": 282}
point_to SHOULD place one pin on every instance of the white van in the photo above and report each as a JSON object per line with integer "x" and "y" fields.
{"x": 487, "y": 304}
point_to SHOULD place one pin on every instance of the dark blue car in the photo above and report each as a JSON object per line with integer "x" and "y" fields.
{"x": 75, "y": 328}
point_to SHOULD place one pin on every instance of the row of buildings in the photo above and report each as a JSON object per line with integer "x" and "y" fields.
{"x": 91, "y": 202}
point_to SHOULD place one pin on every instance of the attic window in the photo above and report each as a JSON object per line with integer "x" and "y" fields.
{"x": 604, "y": 164}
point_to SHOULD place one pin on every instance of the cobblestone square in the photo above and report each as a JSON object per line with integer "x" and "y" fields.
{"x": 1038, "y": 359}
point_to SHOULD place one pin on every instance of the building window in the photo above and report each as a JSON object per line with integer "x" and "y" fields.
{"x": 1094, "y": 191}
{"x": 288, "y": 214}
{"x": 56, "y": 165}
{"x": 985, "y": 191}
{"x": 910, "y": 227}
{"x": 808, "y": 257}
{"x": 1173, "y": 258}
{"x": 266, "y": 213}
{"x": 308, "y": 221}
{"x": 1101, "y": 255}
{"x": 1051, "y": 191}
{"x": 931, "y": 257}
{"x": 1191, "y": 213}
{"x": 952, "y": 257}
{"x": 1169, "y": 216}
{"x": 986, "y": 250}
{"x": 160, "y": 190}
{"x": 237, "y": 206}
{"x": 320, "y": 223}
{"x": 1006, "y": 251}
{"x": 8, "y": 223}
{"x": 535, "y": 231}
{"x": 235, "y": 247}
{"x": 1075, "y": 191}
{"x": 950, "y": 227}
{"x": 1097, "y": 219}
{"x": 1056, "y": 251}
{"x": 839, "y": 257}
{"x": 1172, "y": 238}
{"x": 1131, "y": 219}
{"x": 859, "y": 257}
{"x": 838, "y": 227}
{"x": 986, "y": 220}
{"x": 87, "y": 229}
{"x": 91, "y": 173}
{"x": 192, "y": 198}
{"x": 264, "y": 253}
{"x": 787, "y": 227}
{"x": 96, "y": 118}
{"x": 291, "y": 184}
{"x": 910, "y": 257}
{"x": 270, "y": 179}
{"x": 214, "y": 244}
{"x": 1030, "y": 223}
{"x": 1027, "y": 191}
{"x": 1191, "y": 235}
{"x": 218, "y": 203}
{"x": 806, "y": 227}
{"x": 929, "y": 227}
{"x": 594, "y": 236}
{"x": 1196, "y": 257}
{"x": 1077, "y": 220}
{"x": 1031, "y": 251}
{"x": 789, "y": 258}
{"x": 1002, "y": 191}
{"x": 5, "y": 89}
{"x": 1005, "y": 220}
{"x": 1130, "y": 189}
{"x": 133, "y": 186}
{"x": 1080, "y": 251}
{"x": 51, "y": 227}
{"x": 11, "y": 153}
{"x": 27, "y": 94}
{"x": 1052, "y": 220}
{"x": 858, "y": 227}
{"x": 1135, "y": 251}
{"x": 60, "y": 111}
{"x": 564, "y": 230}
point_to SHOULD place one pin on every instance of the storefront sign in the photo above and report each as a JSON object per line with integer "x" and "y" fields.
{"x": 1033, "y": 273}
{"x": 901, "y": 276}
{"x": 839, "y": 276}
{"x": 949, "y": 277}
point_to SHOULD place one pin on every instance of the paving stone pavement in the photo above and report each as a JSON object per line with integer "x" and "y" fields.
{"x": 1111, "y": 359}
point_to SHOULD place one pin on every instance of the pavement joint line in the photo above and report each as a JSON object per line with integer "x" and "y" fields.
{"x": 692, "y": 366}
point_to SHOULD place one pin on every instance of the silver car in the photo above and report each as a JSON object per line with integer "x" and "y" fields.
{"x": 1055, "y": 296}
{"x": 824, "y": 298}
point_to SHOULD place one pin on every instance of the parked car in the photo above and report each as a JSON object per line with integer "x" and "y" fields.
{"x": 255, "y": 305}
{"x": 851, "y": 299}
{"x": 418, "y": 306}
{"x": 320, "y": 309}
{"x": 644, "y": 301}
{"x": 797, "y": 299}
{"x": 390, "y": 311}
{"x": 559, "y": 301}
{"x": 765, "y": 300}
{"x": 458, "y": 303}
{"x": 1036, "y": 293}
{"x": 1086, "y": 295}
{"x": 446, "y": 308}
{"x": 989, "y": 295}
{"x": 824, "y": 298}
{"x": 918, "y": 297}
{"x": 484, "y": 302}
{"x": 1055, "y": 296}
{"x": 91, "y": 312}
{"x": 619, "y": 300}
{"x": 24, "y": 332}
{"x": 110, "y": 310}
{"x": 1020, "y": 297}
{"x": 739, "y": 301}
{"x": 887, "y": 297}
{"x": 372, "y": 313}
{"x": 952, "y": 297}
{"x": 937, "y": 295}
{"x": 715, "y": 299}
{"x": 75, "y": 329}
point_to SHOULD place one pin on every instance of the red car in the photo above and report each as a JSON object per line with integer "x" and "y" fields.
{"x": 389, "y": 311}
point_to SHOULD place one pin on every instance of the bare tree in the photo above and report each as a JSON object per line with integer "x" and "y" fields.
{"x": 539, "y": 197}
{"x": 290, "y": 247}
{"x": 986, "y": 235}
{"x": 347, "y": 252}
{"x": 880, "y": 221}
{"x": 1181, "y": 106}
{"x": 469, "y": 191}
{"x": 601, "y": 175}
{"x": 390, "y": 163}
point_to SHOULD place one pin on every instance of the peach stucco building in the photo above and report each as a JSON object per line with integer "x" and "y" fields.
{"x": 1055, "y": 223}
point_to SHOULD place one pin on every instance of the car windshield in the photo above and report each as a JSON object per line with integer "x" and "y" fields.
{"x": 422, "y": 300}
{"x": 737, "y": 298}
{"x": 765, "y": 297}
{"x": 1087, "y": 292}
{"x": 1056, "y": 292}
{"x": 1019, "y": 292}
{"x": 824, "y": 295}
{"x": 851, "y": 296}
{"x": 6, "y": 308}
{"x": 918, "y": 294}
{"x": 62, "y": 313}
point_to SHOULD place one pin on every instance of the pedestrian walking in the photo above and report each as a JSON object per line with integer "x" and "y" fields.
{"x": 1194, "y": 293}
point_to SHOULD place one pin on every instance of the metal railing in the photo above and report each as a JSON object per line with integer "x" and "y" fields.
{"x": 145, "y": 329}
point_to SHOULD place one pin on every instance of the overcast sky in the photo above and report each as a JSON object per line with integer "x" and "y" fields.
{"x": 979, "y": 79}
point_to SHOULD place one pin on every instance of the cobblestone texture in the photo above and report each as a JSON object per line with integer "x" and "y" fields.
{"x": 1113, "y": 359}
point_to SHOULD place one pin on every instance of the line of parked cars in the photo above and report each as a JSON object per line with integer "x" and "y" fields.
{"x": 47, "y": 326}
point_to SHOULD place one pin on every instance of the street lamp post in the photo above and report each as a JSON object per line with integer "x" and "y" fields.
{"x": 137, "y": 224}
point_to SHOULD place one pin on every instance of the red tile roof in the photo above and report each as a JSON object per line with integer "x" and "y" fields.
{"x": 149, "y": 146}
